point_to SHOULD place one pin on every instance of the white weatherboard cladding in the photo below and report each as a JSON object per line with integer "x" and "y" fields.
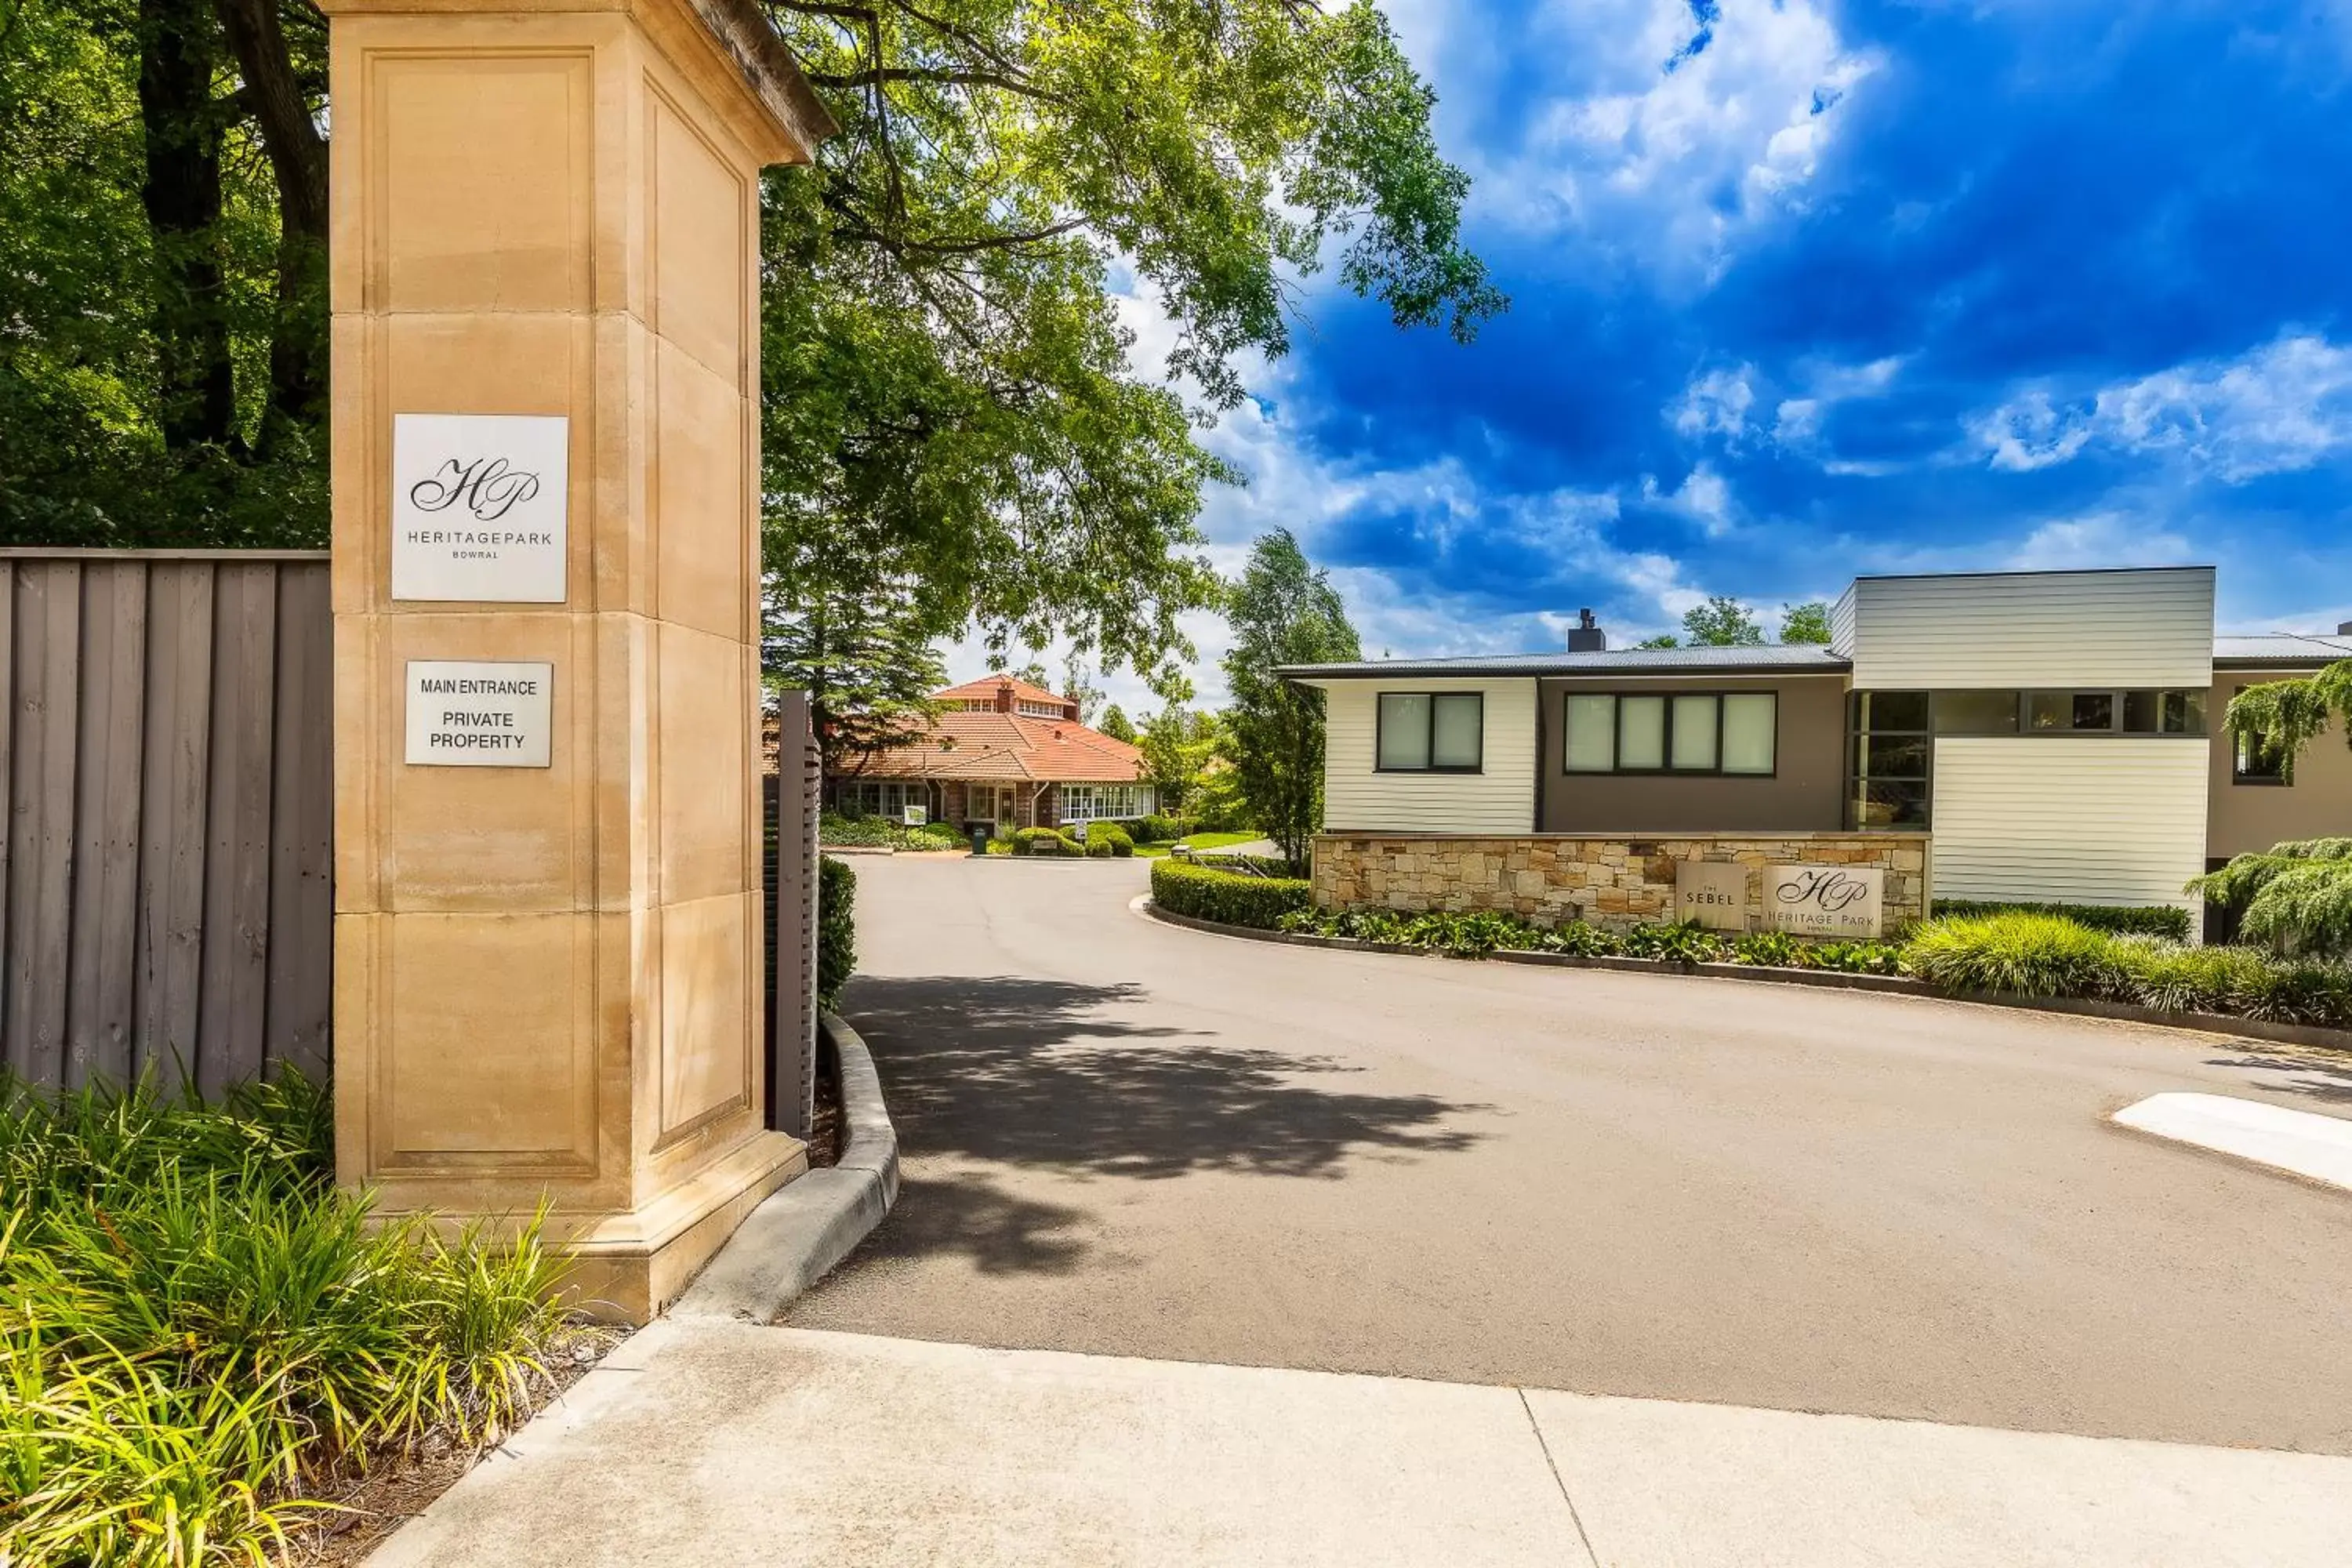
{"x": 2152, "y": 629}
{"x": 1500, "y": 798}
{"x": 2090, "y": 821}
{"x": 1842, "y": 624}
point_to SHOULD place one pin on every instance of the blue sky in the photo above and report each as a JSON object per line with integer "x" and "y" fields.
{"x": 1808, "y": 288}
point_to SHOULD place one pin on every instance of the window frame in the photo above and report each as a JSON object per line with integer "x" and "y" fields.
{"x": 1379, "y": 732}
{"x": 1617, "y": 696}
{"x": 2271, "y": 780}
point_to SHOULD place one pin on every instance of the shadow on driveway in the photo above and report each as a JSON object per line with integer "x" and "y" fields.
{"x": 1077, "y": 1078}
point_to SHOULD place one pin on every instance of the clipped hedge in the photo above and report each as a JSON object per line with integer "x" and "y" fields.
{"x": 2168, "y": 920}
{"x": 1045, "y": 841}
{"x": 1235, "y": 898}
{"x": 1111, "y": 835}
{"x": 1157, "y": 829}
{"x": 837, "y": 930}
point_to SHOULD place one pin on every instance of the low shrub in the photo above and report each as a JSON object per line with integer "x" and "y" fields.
{"x": 1045, "y": 841}
{"x": 1206, "y": 893}
{"x": 1157, "y": 829}
{"x": 937, "y": 836}
{"x": 1112, "y": 834}
{"x": 2159, "y": 919}
{"x": 1677, "y": 941}
{"x": 853, "y": 832}
{"x": 1260, "y": 865}
{"x": 836, "y": 928}
{"x": 200, "y": 1336}
{"x": 1097, "y": 846}
{"x": 2295, "y": 896}
{"x": 2023, "y": 954}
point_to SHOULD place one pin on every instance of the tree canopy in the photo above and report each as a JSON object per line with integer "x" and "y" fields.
{"x": 861, "y": 650}
{"x": 1283, "y": 612}
{"x": 1805, "y": 623}
{"x": 949, "y": 401}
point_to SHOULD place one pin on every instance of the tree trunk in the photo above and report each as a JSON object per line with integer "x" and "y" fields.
{"x": 178, "y": 48}
{"x": 281, "y": 103}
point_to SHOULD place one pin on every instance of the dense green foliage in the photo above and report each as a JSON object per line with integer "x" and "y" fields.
{"x": 882, "y": 833}
{"x": 1047, "y": 842}
{"x": 163, "y": 299}
{"x": 2130, "y": 920}
{"x": 1116, "y": 725}
{"x": 950, "y": 413}
{"x": 858, "y": 647}
{"x": 1234, "y": 898}
{"x": 837, "y": 930}
{"x": 2296, "y": 895}
{"x": 1478, "y": 934}
{"x": 2272, "y": 722}
{"x": 2042, "y": 955}
{"x": 1109, "y": 839}
{"x": 1805, "y": 623}
{"x": 199, "y": 1333}
{"x": 1283, "y": 612}
{"x": 949, "y": 398}
{"x": 1157, "y": 829}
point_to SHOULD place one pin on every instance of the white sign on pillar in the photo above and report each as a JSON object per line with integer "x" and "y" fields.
{"x": 478, "y": 507}
{"x": 464, "y": 713}
{"x": 1826, "y": 901}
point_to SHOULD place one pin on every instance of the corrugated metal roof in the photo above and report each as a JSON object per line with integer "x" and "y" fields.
{"x": 1769, "y": 658}
{"x": 2281, "y": 649}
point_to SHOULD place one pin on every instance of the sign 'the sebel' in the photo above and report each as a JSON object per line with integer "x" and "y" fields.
{"x": 478, "y": 507}
{"x": 468, "y": 714}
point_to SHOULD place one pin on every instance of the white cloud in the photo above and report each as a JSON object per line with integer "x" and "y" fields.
{"x": 1704, "y": 497}
{"x": 1797, "y": 421}
{"x": 2282, "y": 407}
{"x": 1679, "y": 134}
{"x": 2099, "y": 539}
{"x": 1716, "y": 404}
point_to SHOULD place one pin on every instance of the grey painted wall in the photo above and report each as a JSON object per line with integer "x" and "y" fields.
{"x": 1806, "y": 793}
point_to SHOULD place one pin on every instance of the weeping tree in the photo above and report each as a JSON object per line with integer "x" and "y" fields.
{"x": 2296, "y": 895}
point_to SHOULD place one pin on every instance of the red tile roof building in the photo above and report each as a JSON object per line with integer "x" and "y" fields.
{"x": 1005, "y": 752}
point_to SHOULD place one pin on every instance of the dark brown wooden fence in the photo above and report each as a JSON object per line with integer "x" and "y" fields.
{"x": 792, "y": 811}
{"x": 166, "y": 900}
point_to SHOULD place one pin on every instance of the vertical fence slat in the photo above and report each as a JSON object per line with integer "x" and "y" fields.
{"x": 48, "y": 646}
{"x": 7, "y": 783}
{"x": 229, "y": 1028}
{"x": 302, "y": 832}
{"x": 169, "y": 960}
{"x": 104, "y": 917}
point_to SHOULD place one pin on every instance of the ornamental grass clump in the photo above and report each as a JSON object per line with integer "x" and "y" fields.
{"x": 200, "y": 1336}
{"x": 2022, "y": 954}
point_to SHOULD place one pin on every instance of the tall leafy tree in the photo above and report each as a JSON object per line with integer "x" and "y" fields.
{"x": 1805, "y": 623}
{"x": 950, "y": 393}
{"x": 1116, "y": 725}
{"x": 1283, "y": 612}
{"x": 862, "y": 650}
{"x": 1178, "y": 744}
{"x": 1721, "y": 621}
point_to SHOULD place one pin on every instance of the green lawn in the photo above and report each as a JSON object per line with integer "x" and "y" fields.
{"x": 1199, "y": 841}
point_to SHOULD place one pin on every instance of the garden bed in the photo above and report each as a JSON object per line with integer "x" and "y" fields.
{"x": 2031, "y": 960}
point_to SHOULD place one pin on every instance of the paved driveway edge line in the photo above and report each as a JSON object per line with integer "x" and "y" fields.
{"x": 796, "y": 1237}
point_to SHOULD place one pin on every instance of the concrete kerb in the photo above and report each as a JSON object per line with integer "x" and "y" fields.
{"x": 1828, "y": 979}
{"x": 794, "y": 1238}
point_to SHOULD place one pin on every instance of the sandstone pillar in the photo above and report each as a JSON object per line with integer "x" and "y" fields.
{"x": 548, "y": 837}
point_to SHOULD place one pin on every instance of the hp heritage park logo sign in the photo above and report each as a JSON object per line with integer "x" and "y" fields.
{"x": 478, "y": 507}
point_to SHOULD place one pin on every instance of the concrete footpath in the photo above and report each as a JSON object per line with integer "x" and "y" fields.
{"x": 719, "y": 1444}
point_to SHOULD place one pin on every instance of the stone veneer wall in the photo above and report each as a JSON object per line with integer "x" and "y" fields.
{"x": 1609, "y": 881}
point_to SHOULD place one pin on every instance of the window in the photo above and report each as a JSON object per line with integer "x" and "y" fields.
{"x": 1887, "y": 777}
{"x": 878, "y": 797}
{"x": 2250, "y": 762}
{"x": 1431, "y": 733}
{"x": 1041, "y": 710}
{"x": 2142, "y": 712}
{"x": 1106, "y": 803}
{"x": 1730, "y": 733}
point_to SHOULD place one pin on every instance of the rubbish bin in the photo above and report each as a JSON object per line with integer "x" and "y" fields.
{"x": 980, "y": 837}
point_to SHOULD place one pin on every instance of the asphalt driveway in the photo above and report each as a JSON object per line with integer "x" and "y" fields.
{"x": 1125, "y": 1138}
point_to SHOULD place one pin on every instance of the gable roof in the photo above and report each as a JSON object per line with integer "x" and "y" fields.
{"x": 1009, "y": 748}
{"x": 988, "y": 686}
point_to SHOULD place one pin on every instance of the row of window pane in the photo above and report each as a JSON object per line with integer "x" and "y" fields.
{"x": 1693, "y": 732}
{"x": 2173, "y": 712}
{"x": 1106, "y": 803}
{"x": 1422, "y": 732}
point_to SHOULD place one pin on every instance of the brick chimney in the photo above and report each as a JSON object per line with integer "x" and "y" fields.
{"x": 1004, "y": 697}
